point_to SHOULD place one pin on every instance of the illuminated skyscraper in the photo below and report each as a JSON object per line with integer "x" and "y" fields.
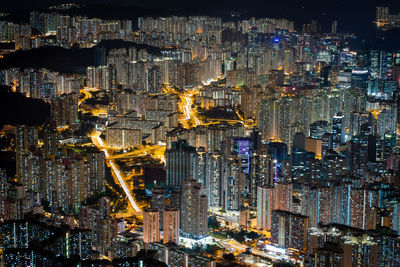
{"x": 214, "y": 171}
{"x": 171, "y": 226}
{"x": 265, "y": 205}
{"x": 284, "y": 196}
{"x": 358, "y": 156}
{"x": 153, "y": 80}
{"x": 180, "y": 161}
{"x": 333, "y": 166}
{"x": 194, "y": 216}
{"x": 151, "y": 226}
{"x": 268, "y": 119}
{"x": 338, "y": 130}
{"x": 64, "y": 109}
{"x": 158, "y": 201}
{"x": 96, "y": 165}
{"x": 233, "y": 181}
{"x": 356, "y": 120}
{"x": 279, "y": 154}
{"x": 386, "y": 122}
{"x": 26, "y": 140}
{"x": 50, "y": 141}
{"x": 318, "y": 129}
{"x": 261, "y": 174}
{"x": 382, "y": 15}
{"x": 289, "y": 230}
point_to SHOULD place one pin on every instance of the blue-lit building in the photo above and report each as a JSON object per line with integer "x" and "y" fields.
{"x": 359, "y": 78}
{"x": 333, "y": 166}
{"x": 358, "y": 156}
{"x": 338, "y": 130}
{"x": 301, "y": 163}
{"x": 389, "y": 142}
{"x": 319, "y": 128}
{"x": 47, "y": 91}
{"x": 32, "y": 242}
{"x": 243, "y": 148}
{"x": 395, "y": 214}
{"x": 382, "y": 89}
{"x": 34, "y": 256}
{"x": 279, "y": 153}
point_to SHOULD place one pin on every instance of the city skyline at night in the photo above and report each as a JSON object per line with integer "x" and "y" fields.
{"x": 223, "y": 133}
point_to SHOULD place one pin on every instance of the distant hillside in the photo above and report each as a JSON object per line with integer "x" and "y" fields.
{"x": 72, "y": 60}
{"x": 59, "y": 59}
{"x": 17, "y": 109}
{"x": 110, "y": 44}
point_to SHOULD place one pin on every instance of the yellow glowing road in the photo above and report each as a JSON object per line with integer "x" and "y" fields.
{"x": 86, "y": 94}
{"x": 189, "y": 117}
{"x": 272, "y": 255}
{"x": 97, "y": 141}
{"x": 186, "y": 104}
{"x": 155, "y": 151}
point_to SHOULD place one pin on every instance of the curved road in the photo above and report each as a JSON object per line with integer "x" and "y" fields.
{"x": 96, "y": 139}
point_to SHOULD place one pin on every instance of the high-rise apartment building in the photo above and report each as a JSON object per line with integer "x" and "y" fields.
{"x": 194, "y": 209}
{"x": 171, "y": 220}
{"x": 180, "y": 161}
{"x": 265, "y": 205}
{"x": 289, "y": 229}
{"x": 151, "y": 226}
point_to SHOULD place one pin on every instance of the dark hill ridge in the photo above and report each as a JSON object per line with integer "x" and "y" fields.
{"x": 59, "y": 59}
{"x": 72, "y": 60}
{"x": 110, "y": 44}
{"x": 16, "y": 109}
